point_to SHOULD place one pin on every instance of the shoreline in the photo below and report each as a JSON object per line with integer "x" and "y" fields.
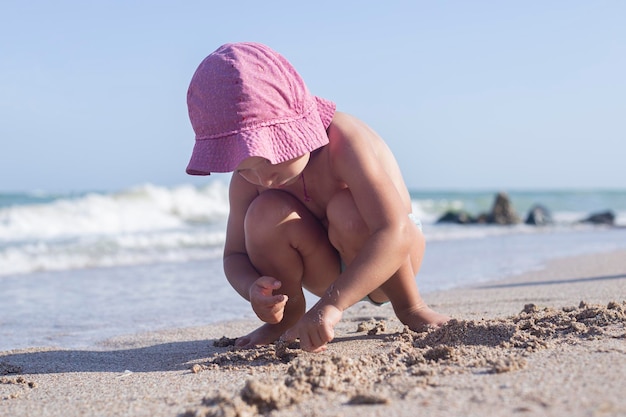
{"x": 484, "y": 363}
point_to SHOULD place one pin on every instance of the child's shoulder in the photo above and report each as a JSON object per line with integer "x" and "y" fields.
{"x": 347, "y": 130}
{"x": 342, "y": 123}
{"x": 343, "y": 129}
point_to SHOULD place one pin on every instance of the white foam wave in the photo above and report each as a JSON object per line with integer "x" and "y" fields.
{"x": 123, "y": 250}
{"x": 140, "y": 225}
{"x": 144, "y": 208}
{"x": 148, "y": 224}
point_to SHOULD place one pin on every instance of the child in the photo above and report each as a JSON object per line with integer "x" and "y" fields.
{"x": 317, "y": 200}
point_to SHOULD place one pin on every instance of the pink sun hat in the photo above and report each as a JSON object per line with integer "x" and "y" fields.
{"x": 247, "y": 100}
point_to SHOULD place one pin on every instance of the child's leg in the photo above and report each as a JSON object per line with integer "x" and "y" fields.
{"x": 285, "y": 241}
{"x": 401, "y": 289}
{"x": 348, "y": 233}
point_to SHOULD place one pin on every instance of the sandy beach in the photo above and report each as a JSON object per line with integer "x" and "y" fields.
{"x": 551, "y": 342}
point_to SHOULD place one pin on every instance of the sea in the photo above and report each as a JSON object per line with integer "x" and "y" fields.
{"x": 78, "y": 268}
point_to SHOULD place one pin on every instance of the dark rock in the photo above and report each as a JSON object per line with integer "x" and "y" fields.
{"x": 604, "y": 217}
{"x": 502, "y": 211}
{"x": 539, "y": 215}
{"x": 457, "y": 217}
{"x": 483, "y": 218}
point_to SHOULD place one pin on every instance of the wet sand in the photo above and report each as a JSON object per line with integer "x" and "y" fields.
{"x": 550, "y": 342}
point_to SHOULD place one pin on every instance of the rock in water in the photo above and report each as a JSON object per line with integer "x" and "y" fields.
{"x": 604, "y": 217}
{"x": 539, "y": 215}
{"x": 457, "y": 217}
{"x": 502, "y": 211}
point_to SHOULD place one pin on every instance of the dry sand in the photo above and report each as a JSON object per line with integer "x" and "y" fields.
{"x": 549, "y": 343}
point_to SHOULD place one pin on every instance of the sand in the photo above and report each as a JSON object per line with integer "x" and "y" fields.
{"x": 551, "y": 342}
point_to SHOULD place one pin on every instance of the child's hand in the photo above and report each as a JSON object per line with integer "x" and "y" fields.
{"x": 316, "y": 328}
{"x": 267, "y": 306}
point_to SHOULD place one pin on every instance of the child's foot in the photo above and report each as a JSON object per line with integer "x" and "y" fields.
{"x": 421, "y": 318}
{"x": 264, "y": 335}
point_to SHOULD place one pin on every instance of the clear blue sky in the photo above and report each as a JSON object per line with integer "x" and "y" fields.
{"x": 468, "y": 94}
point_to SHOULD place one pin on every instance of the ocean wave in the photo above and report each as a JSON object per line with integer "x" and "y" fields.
{"x": 150, "y": 224}
{"x": 123, "y": 250}
{"x": 143, "y": 208}
{"x": 140, "y": 225}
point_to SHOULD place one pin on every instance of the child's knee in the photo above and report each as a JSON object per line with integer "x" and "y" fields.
{"x": 267, "y": 211}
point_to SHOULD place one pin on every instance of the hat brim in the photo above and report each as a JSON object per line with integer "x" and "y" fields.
{"x": 277, "y": 142}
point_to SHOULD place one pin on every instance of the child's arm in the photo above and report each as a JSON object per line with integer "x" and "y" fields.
{"x": 239, "y": 271}
{"x": 356, "y": 160}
